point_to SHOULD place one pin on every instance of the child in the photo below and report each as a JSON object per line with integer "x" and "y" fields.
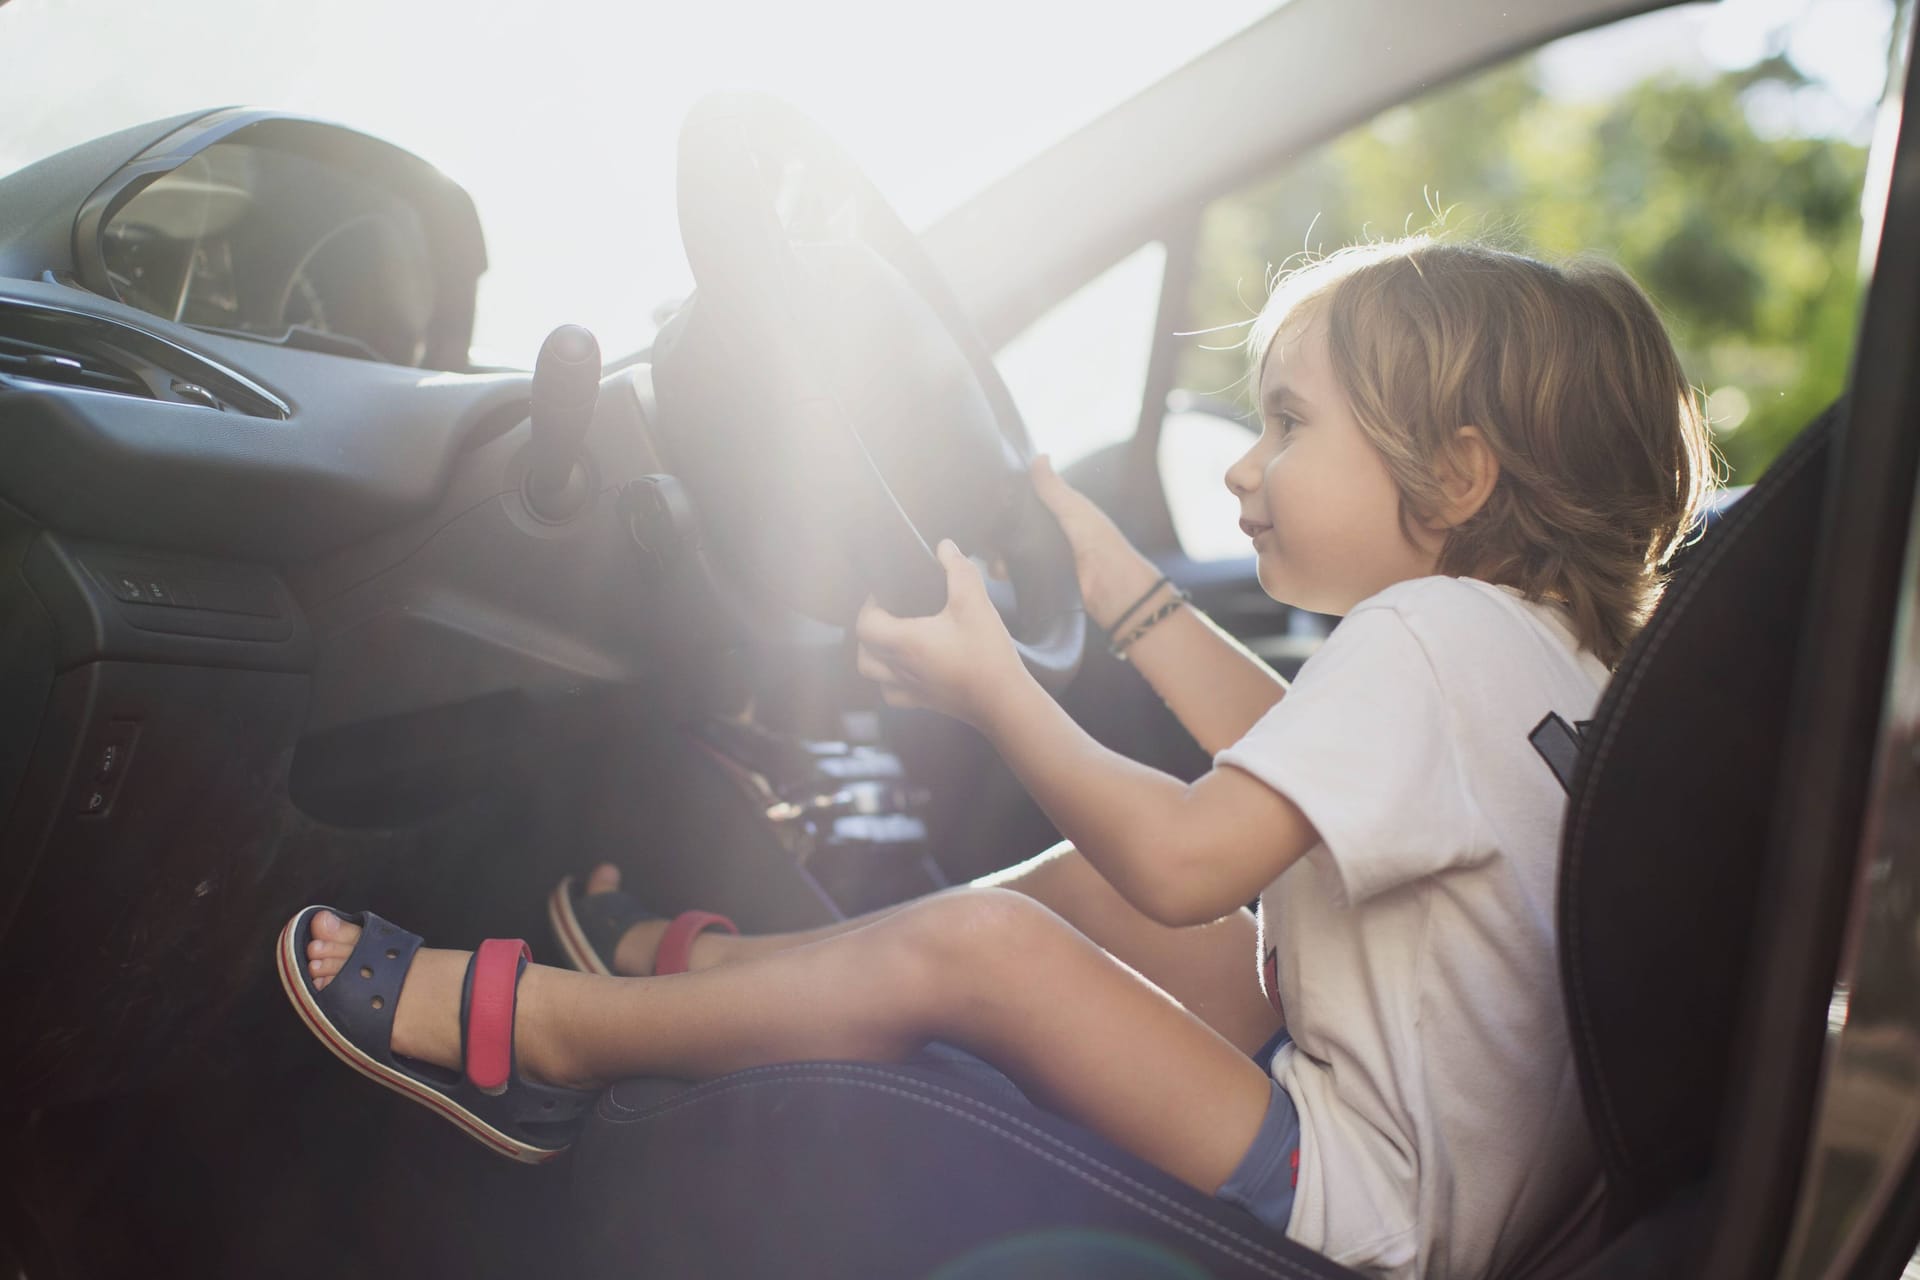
{"x": 1481, "y": 462}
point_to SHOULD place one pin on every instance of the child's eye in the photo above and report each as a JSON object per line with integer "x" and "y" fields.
{"x": 1284, "y": 423}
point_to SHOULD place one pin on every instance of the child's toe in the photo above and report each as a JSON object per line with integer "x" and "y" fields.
{"x": 323, "y": 971}
{"x": 329, "y": 944}
{"x": 329, "y": 926}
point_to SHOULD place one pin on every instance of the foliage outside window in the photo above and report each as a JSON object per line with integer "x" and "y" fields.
{"x": 1746, "y": 235}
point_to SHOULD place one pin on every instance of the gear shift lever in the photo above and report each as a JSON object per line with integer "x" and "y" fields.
{"x": 566, "y": 383}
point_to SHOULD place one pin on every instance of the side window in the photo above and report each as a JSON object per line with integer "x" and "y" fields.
{"x": 1716, "y": 152}
{"x": 1079, "y": 371}
{"x": 1200, "y": 438}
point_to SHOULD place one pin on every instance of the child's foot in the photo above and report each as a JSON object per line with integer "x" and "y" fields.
{"x": 633, "y": 956}
{"x": 426, "y": 1019}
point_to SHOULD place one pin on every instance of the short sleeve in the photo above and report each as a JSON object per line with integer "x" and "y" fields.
{"x": 1364, "y": 744}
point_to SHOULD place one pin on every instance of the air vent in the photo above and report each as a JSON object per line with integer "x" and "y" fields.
{"x": 52, "y": 345}
{"x": 64, "y": 363}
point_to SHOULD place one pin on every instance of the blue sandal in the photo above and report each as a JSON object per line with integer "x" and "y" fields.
{"x": 589, "y": 928}
{"x": 487, "y": 1099}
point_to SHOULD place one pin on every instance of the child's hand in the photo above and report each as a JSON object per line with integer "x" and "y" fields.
{"x": 1112, "y": 574}
{"x": 956, "y": 661}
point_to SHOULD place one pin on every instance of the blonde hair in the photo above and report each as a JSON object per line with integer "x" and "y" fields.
{"x": 1605, "y": 457}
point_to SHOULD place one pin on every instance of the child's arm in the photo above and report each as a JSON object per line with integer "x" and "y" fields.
{"x": 1182, "y": 853}
{"x": 1213, "y": 686}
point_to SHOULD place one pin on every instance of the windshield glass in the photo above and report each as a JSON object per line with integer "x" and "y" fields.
{"x": 560, "y": 118}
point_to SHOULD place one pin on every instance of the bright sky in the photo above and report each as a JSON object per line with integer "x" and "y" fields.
{"x": 559, "y": 117}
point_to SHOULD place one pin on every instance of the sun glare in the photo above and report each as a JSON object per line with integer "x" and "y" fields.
{"x": 560, "y": 118}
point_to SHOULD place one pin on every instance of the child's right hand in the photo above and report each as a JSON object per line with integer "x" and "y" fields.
{"x": 1112, "y": 574}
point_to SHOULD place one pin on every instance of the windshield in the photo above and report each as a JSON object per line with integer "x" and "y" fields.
{"x": 560, "y": 118}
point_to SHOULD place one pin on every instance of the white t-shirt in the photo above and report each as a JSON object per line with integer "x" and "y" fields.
{"x": 1413, "y": 948}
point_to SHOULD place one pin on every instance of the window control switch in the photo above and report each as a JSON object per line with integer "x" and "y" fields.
{"x": 111, "y": 750}
{"x": 104, "y": 766}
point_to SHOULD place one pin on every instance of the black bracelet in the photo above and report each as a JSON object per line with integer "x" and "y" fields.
{"x": 1119, "y": 647}
{"x": 1128, "y": 612}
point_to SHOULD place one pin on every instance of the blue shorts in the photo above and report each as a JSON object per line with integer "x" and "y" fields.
{"x": 1262, "y": 1183}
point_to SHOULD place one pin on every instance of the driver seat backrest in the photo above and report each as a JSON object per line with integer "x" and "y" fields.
{"x": 1666, "y": 827}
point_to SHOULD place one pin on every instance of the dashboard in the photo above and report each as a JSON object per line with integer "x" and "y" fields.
{"x": 279, "y": 613}
{"x": 262, "y": 241}
{"x": 272, "y": 599}
{"x": 219, "y": 335}
{"x": 257, "y": 223}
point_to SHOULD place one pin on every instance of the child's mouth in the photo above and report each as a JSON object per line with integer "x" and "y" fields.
{"x": 1252, "y": 529}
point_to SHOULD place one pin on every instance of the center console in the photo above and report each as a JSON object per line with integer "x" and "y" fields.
{"x": 843, "y": 810}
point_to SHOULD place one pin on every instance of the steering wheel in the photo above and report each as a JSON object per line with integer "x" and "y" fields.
{"x": 829, "y": 404}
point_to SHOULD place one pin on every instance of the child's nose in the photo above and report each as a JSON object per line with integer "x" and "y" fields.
{"x": 1243, "y": 477}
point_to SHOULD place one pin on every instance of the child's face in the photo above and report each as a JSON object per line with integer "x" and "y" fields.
{"x": 1315, "y": 496}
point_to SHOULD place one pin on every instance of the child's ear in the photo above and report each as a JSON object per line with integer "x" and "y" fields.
{"x": 1468, "y": 472}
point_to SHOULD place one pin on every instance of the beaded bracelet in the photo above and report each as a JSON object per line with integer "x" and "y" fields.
{"x": 1119, "y": 647}
{"x": 1125, "y": 613}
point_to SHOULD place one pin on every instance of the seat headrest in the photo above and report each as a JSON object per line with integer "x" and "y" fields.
{"x": 1666, "y": 827}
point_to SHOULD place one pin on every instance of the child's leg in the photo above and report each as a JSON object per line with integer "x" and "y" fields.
{"x": 1212, "y": 969}
{"x": 991, "y": 971}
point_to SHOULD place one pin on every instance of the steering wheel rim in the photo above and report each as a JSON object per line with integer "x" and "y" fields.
{"x": 799, "y": 287}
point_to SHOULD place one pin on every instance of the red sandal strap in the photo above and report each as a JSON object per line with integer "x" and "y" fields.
{"x": 493, "y": 979}
{"x": 676, "y": 944}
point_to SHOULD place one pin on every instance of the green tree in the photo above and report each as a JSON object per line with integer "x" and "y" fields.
{"x": 1747, "y": 242}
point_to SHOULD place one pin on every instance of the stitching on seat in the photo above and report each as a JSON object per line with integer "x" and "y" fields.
{"x": 817, "y": 1073}
{"x": 1745, "y": 514}
{"x": 1051, "y": 1158}
{"x": 836, "y": 1076}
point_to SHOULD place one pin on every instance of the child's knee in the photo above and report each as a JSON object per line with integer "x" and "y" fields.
{"x": 991, "y": 931}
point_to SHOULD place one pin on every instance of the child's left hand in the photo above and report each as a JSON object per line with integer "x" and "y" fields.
{"x": 956, "y": 661}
